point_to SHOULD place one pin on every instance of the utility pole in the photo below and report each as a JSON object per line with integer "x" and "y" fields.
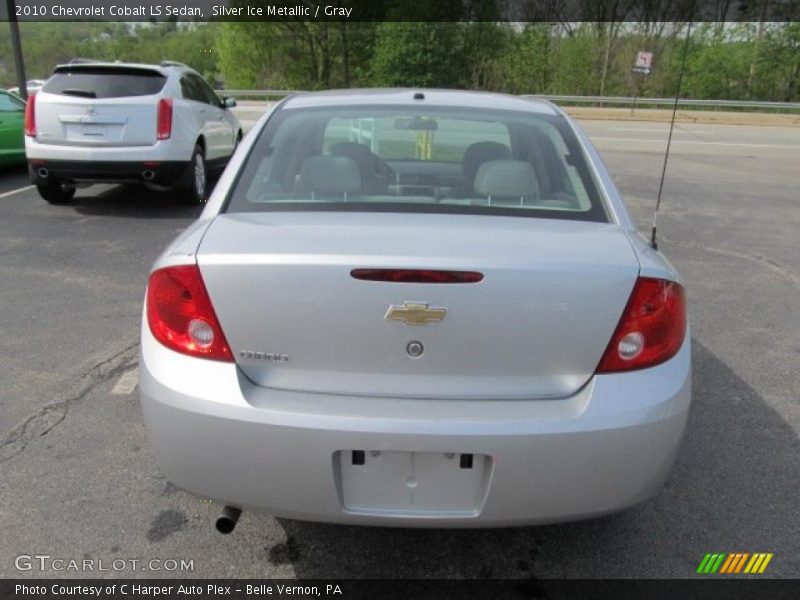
{"x": 17, "y": 47}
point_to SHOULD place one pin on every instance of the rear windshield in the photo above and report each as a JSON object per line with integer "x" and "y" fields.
{"x": 416, "y": 159}
{"x": 104, "y": 82}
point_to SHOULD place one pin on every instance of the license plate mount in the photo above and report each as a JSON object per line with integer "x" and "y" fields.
{"x": 413, "y": 483}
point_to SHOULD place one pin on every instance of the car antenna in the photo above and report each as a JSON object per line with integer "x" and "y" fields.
{"x": 653, "y": 241}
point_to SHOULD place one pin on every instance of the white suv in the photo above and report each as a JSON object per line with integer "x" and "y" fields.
{"x": 159, "y": 125}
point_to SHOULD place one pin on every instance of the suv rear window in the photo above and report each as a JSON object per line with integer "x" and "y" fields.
{"x": 104, "y": 82}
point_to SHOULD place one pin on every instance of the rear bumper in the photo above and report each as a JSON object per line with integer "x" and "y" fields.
{"x": 116, "y": 164}
{"x": 606, "y": 448}
{"x": 169, "y": 174}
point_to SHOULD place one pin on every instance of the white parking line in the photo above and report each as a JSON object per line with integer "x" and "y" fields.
{"x": 17, "y": 191}
{"x": 126, "y": 383}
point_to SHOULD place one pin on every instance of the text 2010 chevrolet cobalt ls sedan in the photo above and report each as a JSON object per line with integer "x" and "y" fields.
{"x": 416, "y": 308}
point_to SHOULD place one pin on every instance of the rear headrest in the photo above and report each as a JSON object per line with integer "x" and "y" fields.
{"x": 367, "y": 162}
{"x": 358, "y": 152}
{"x": 329, "y": 175}
{"x": 477, "y": 154}
{"x": 507, "y": 179}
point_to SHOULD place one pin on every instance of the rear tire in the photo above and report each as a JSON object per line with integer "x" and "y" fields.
{"x": 195, "y": 192}
{"x": 56, "y": 192}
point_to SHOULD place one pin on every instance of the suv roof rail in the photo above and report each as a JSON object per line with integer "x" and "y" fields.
{"x": 172, "y": 63}
{"x": 80, "y": 61}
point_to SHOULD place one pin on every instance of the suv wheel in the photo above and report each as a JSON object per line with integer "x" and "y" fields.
{"x": 195, "y": 192}
{"x": 56, "y": 192}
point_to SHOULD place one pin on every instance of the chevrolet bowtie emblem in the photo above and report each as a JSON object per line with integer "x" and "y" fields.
{"x": 415, "y": 313}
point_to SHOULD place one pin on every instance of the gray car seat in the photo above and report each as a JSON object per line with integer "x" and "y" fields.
{"x": 374, "y": 175}
{"x": 326, "y": 176}
{"x": 506, "y": 181}
{"x": 476, "y": 155}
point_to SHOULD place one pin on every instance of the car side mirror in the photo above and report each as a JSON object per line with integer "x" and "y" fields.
{"x": 228, "y": 102}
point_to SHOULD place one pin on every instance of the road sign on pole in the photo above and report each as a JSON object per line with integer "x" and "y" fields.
{"x": 644, "y": 59}
{"x": 642, "y": 66}
{"x": 644, "y": 63}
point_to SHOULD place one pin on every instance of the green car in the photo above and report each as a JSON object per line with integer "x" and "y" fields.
{"x": 12, "y": 140}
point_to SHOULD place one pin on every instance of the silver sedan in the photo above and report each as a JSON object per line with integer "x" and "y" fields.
{"x": 415, "y": 308}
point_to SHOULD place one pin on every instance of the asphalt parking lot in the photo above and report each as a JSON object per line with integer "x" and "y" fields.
{"x": 78, "y": 480}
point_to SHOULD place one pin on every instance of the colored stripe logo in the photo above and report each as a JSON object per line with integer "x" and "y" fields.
{"x": 733, "y": 563}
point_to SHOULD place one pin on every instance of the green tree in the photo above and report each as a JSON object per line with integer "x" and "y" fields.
{"x": 528, "y": 60}
{"x": 575, "y": 70}
{"x": 419, "y": 55}
{"x": 778, "y": 64}
{"x": 718, "y": 63}
{"x": 485, "y": 49}
{"x": 729, "y": 61}
{"x": 44, "y": 46}
{"x": 244, "y": 54}
{"x": 295, "y": 54}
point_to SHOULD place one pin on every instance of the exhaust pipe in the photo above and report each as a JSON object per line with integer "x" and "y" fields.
{"x": 227, "y": 522}
{"x": 43, "y": 173}
{"x": 148, "y": 174}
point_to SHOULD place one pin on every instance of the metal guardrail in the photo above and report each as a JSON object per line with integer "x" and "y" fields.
{"x": 254, "y": 93}
{"x": 602, "y": 100}
{"x": 684, "y": 102}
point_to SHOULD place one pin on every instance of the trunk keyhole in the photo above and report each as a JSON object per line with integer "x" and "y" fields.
{"x": 415, "y": 349}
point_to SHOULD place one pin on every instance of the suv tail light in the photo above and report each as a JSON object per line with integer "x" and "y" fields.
{"x": 30, "y": 116}
{"x": 181, "y": 316}
{"x": 651, "y": 330}
{"x": 164, "y": 126}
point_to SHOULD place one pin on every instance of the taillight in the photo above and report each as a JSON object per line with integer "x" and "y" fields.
{"x": 651, "y": 329}
{"x": 416, "y": 276}
{"x": 164, "y": 128}
{"x": 181, "y": 316}
{"x": 30, "y": 116}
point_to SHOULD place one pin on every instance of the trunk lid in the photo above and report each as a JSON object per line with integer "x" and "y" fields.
{"x": 535, "y": 326}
